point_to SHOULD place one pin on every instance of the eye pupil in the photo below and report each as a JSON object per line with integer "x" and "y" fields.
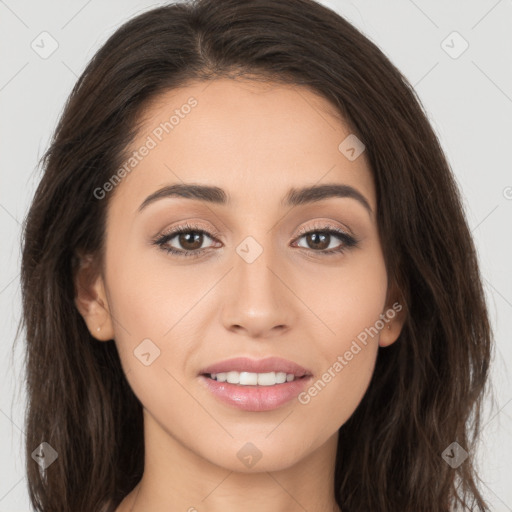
{"x": 318, "y": 239}
{"x": 194, "y": 244}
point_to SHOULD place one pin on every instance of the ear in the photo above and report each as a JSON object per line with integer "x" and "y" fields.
{"x": 394, "y": 315}
{"x": 91, "y": 300}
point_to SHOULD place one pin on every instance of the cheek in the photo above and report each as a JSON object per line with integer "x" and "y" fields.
{"x": 149, "y": 296}
{"x": 348, "y": 299}
{"x": 151, "y": 311}
{"x": 157, "y": 310}
{"x": 350, "y": 306}
{"x": 334, "y": 395}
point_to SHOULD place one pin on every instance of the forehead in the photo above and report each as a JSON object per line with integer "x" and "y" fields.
{"x": 254, "y": 139}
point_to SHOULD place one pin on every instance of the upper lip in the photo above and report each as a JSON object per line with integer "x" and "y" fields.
{"x": 269, "y": 364}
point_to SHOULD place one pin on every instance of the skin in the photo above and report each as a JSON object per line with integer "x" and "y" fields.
{"x": 256, "y": 141}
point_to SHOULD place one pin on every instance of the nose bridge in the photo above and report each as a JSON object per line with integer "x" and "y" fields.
{"x": 255, "y": 281}
{"x": 258, "y": 300}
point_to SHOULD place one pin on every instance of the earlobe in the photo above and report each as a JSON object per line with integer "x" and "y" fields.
{"x": 394, "y": 316}
{"x": 91, "y": 300}
{"x": 390, "y": 333}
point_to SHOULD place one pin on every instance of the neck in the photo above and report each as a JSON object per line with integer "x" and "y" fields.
{"x": 177, "y": 479}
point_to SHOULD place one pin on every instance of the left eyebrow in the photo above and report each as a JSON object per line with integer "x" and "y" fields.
{"x": 294, "y": 197}
{"x": 297, "y": 197}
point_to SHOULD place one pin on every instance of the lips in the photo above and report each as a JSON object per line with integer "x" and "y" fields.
{"x": 255, "y": 398}
{"x": 267, "y": 365}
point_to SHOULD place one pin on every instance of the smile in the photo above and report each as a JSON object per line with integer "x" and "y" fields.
{"x": 253, "y": 379}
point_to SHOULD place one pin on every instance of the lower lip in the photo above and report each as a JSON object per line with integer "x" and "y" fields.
{"x": 256, "y": 398}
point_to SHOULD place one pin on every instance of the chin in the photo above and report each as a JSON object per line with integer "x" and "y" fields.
{"x": 258, "y": 455}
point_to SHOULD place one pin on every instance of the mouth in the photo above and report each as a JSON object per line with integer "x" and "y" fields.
{"x": 252, "y": 372}
{"x": 255, "y": 385}
{"x": 254, "y": 379}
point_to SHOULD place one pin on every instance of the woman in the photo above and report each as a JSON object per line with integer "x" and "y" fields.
{"x": 248, "y": 281}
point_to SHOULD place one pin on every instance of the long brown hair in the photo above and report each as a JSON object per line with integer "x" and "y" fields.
{"x": 427, "y": 388}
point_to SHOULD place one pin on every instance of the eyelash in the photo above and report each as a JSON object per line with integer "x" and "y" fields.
{"x": 348, "y": 240}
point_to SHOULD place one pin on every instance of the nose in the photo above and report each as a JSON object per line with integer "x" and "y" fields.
{"x": 258, "y": 299}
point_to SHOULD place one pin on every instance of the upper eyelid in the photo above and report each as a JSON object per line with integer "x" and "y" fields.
{"x": 323, "y": 226}
{"x": 319, "y": 226}
{"x": 214, "y": 235}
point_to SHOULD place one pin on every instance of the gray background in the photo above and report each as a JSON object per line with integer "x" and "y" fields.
{"x": 468, "y": 100}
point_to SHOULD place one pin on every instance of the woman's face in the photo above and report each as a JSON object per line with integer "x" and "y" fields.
{"x": 254, "y": 285}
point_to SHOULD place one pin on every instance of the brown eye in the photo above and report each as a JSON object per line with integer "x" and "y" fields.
{"x": 320, "y": 239}
{"x": 190, "y": 241}
{"x": 185, "y": 241}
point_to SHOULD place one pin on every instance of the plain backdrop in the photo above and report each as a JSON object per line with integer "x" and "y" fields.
{"x": 458, "y": 56}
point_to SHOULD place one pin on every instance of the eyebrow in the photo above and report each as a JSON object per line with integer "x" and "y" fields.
{"x": 294, "y": 197}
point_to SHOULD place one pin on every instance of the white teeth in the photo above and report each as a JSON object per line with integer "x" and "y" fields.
{"x": 281, "y": 377}
{"x": 233, "y": 377}
{"x": 248, "y": 379}
{"x": 253, "y": 379}
{"x": 267, "y": 379}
